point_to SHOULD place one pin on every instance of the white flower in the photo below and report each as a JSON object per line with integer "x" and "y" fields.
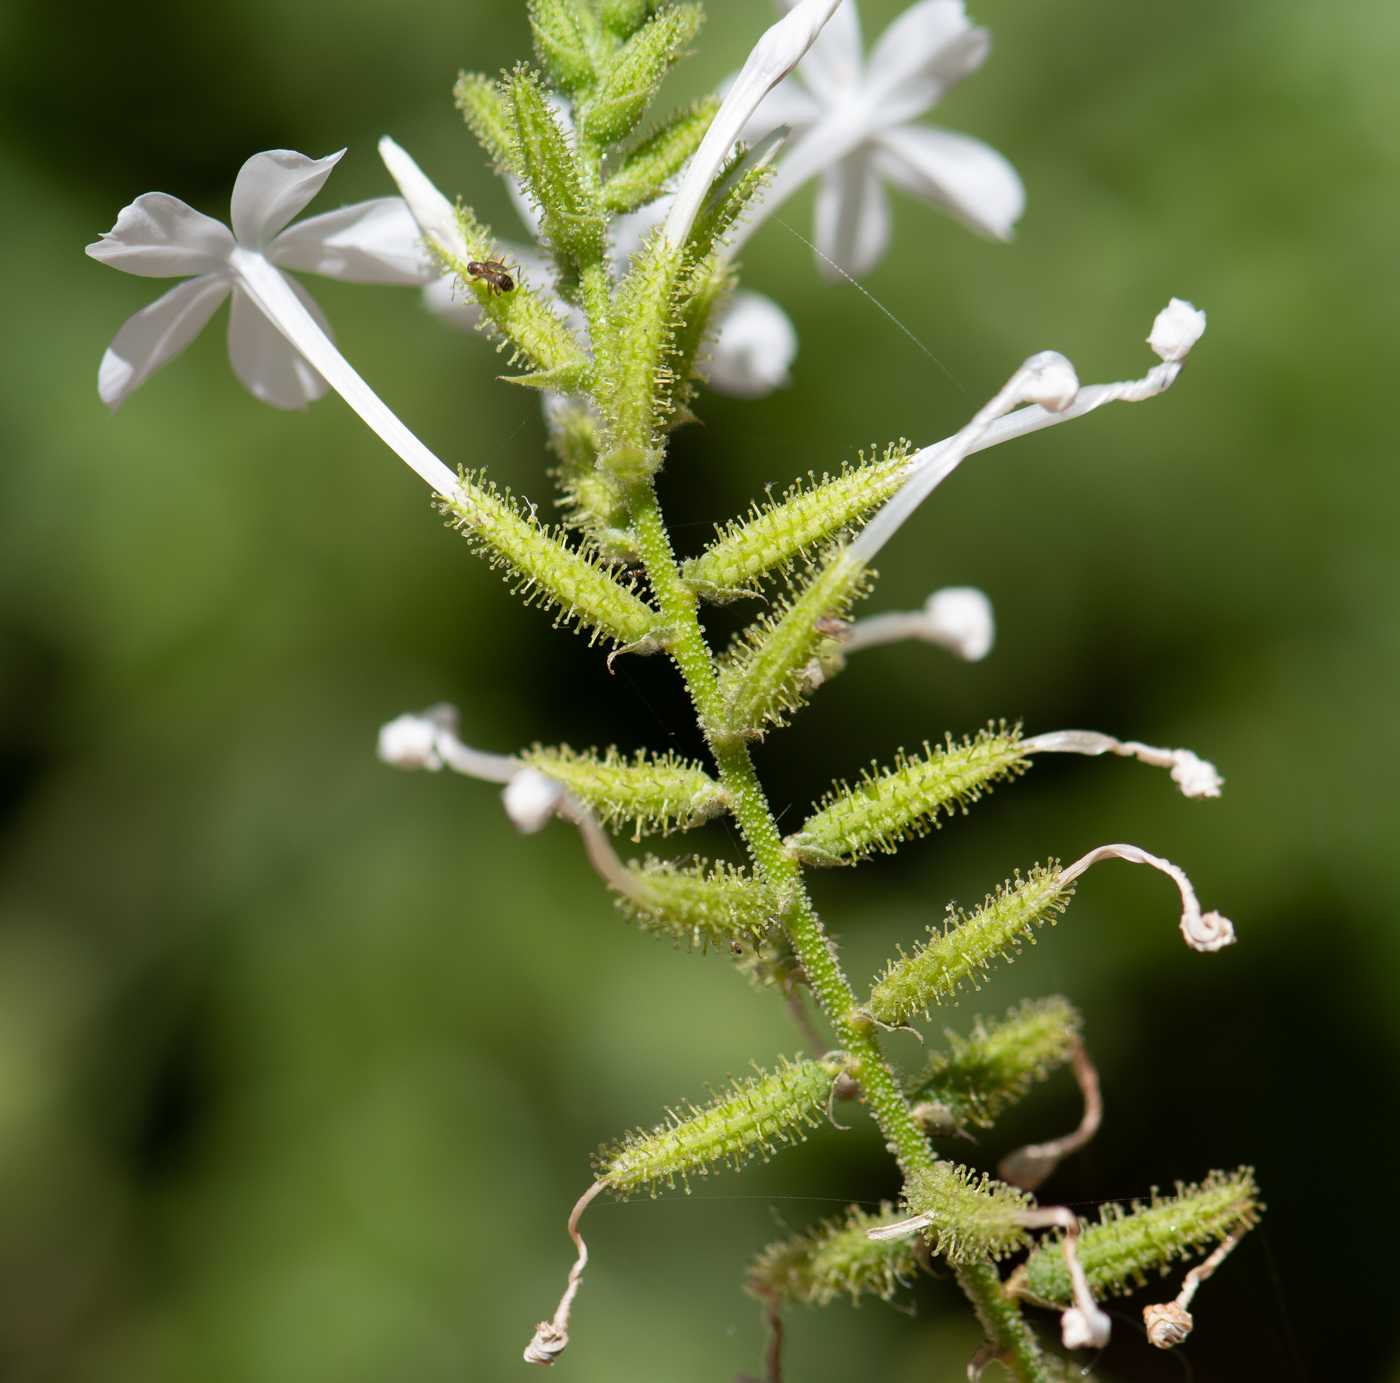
{"x": 853, "y": 123}
{"x": 159, "y": 236}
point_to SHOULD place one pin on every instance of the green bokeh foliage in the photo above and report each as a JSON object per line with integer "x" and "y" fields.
{"x": 301, "y": 1061}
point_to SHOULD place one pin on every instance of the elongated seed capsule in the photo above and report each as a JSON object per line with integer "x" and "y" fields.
{"x": 1119, "y": 1251}
{"x": 649, "y": 791}
{"x": 937, "y": 971}
{"x": 833, "y": 1258}
{"x": 899, "y": 803}
{"x": 720, "y": 905}
{"x": 987, "y": 1072}
{"x": 755, "y": 1115}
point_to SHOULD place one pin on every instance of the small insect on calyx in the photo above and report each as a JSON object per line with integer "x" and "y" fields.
{"x": 493, "y": 273}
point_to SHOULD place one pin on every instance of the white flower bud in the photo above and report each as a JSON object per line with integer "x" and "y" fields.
{"x": 1050, "y": 381}
{"x": 960, "y": 618}
{"x": 530, "y": 799}
{"x": 1085, "y": 1328}
{"x": 755, "y": 346}
{"x": 410, "y": 742}
{"x": 1177, "y": 328}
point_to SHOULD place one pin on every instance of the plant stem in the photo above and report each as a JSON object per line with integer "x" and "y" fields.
{"x": 685, "y": 640}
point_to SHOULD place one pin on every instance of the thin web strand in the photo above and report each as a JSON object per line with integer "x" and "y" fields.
{"x": 875, "y": 300}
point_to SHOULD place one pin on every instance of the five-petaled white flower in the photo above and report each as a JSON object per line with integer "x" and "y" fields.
{"x": 159, "y": 236}
{"x": 853, "y": 123}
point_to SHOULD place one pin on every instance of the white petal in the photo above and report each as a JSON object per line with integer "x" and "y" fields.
{"x": 853, "y": 217}
{"x": 159, "y": 332}
{"x": 271, "y": 188}
{"x": 370, "y": 242}
{"x": 457, "y": 309}
{"x": 529, "y": 212}
{"x": 159, "y": 236}
{"x": 269, "y": 366}
{"x": 787, "y": 104}
{"x": 436, "y": 216}
{"x": 928, "y": 49}
{"x": 756, "y": 344}
{"x": 775, "y": 54}
{"x": 960, "y": 174}
{"x": 628, "y": 231}
{"x": 835, "y": 63}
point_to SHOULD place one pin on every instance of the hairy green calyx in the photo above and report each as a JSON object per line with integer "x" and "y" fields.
{"x": 987, "y": 1072}
{"x": 1125, "y": 1245}
{"x": 650, "y": 792}
{"x": 967, "y": 948}
{"x": 836, "y": 1258}
{"x": 752, "y": 1118}
{"x": 700, "y": 904}
{"x": 892, "y": 805}
{"x": 973, "y": 1215}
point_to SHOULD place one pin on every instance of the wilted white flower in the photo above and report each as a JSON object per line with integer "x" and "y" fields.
{"x": 854, "y": 124}
{"x": 1177, "y": 328}
{"x": 159, "y": 236}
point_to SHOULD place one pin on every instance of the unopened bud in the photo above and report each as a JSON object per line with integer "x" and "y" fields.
{"x": 1051, "y": 381}
{"x": 410, "y": 742}
{"x": 530, "y": 799}
{"x": 960, "y": 618}
{"x": 1177, "y": 328}
{"x": 1085, "y": 1327}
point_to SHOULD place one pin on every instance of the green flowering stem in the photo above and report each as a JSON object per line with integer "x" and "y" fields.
{"x": 856, "y": 1034}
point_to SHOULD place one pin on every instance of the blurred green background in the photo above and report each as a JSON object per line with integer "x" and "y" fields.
{"x": 301, "y": 1060}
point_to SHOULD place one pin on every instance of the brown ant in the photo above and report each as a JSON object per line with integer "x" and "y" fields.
{"x": 493, "y": 273}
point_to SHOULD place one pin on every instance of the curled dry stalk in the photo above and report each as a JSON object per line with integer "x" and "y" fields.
{"x": 618, "y": 353}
